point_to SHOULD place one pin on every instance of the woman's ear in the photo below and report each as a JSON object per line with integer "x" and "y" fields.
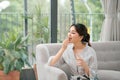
{"x": 81, "y": 37}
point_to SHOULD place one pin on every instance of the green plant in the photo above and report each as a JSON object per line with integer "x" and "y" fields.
{"x": 13, "y": 52}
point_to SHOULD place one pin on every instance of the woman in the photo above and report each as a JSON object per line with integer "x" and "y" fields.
{"x": 78, "y": 54}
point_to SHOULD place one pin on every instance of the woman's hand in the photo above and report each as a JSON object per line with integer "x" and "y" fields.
{"x": 82, "y": 63}
{"x": 65, "y": 43}
{"x": 60, "y": 52}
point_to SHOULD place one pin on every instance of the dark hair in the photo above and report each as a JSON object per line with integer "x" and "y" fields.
{"x": 82, "y": 31}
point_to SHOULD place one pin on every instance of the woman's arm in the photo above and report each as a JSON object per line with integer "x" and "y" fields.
{"x": 57, "y": 56}
{"x": 60, "y": 52}
{"x": 93, "y": 66}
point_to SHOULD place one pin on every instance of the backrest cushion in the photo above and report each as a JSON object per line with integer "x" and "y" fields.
{"x": 108, "y": 55}
{"x": 53, "y": 48}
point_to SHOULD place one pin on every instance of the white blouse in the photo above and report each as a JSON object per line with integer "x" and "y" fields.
{"x": 68, "y": 57}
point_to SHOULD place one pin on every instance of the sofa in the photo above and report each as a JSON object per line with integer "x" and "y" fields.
{"x": 108, "y": 56}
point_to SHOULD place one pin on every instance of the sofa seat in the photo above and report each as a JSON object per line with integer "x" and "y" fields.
{"x": 108, "y": 75}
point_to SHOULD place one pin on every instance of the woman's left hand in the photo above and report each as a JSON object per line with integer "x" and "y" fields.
{"x": 82, "y": 63}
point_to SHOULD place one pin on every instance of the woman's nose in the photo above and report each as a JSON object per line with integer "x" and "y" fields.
{"x": 69, "y": 34}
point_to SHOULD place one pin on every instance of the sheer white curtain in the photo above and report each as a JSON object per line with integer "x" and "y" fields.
{"x": 111, "y": 25}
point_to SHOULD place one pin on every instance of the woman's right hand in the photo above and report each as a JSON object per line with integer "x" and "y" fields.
{"x": 60, "y": 52}
{"x": 65, "y": 43}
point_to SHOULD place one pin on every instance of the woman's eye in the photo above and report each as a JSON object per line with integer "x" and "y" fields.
{"x": 73, "y": 33}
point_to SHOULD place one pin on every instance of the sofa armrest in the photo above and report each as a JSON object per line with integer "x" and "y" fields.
{"x": 42, "y": 54}
{"x": 45, "y": 72}
{"x": 55, "y": 73}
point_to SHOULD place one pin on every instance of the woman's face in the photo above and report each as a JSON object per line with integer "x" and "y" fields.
{"x": 73, "y": 35}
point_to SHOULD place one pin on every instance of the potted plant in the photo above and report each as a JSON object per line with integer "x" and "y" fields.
{"x": 13, "y": 56}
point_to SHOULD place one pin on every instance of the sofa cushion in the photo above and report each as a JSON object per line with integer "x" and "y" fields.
{"x": 108, "y": 55}
{"x": 108, "y": 75}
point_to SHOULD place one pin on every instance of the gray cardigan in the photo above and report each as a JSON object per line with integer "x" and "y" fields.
{"x": 68, "y": 57}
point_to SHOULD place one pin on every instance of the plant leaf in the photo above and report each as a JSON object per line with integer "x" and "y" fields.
{"x": 24, "y": 39}
{"x": 2, "y": 52}
{"x": 16, "y": 54}
{"x": 12, "y": 66}
{"x": 6, "y": 65}
{"x": 2, "y": 44}
{"x": 19, "y": 64}
{"x": 1, "y": 59}
{"x": 18, "y": 40}
{"x": 10, "y": 46}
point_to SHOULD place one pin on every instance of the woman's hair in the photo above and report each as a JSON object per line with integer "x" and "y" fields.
{"x": 82, "y": 31}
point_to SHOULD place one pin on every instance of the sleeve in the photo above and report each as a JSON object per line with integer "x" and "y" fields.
{"x": 59, "y": 63}
{"x": 93, "y": 66}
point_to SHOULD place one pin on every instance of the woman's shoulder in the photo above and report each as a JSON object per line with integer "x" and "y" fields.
{"x": 91, "y": 49}
{"x": 69, "y": 49}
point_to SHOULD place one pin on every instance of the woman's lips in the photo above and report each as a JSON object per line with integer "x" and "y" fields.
{"x": 70, "y": 39}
